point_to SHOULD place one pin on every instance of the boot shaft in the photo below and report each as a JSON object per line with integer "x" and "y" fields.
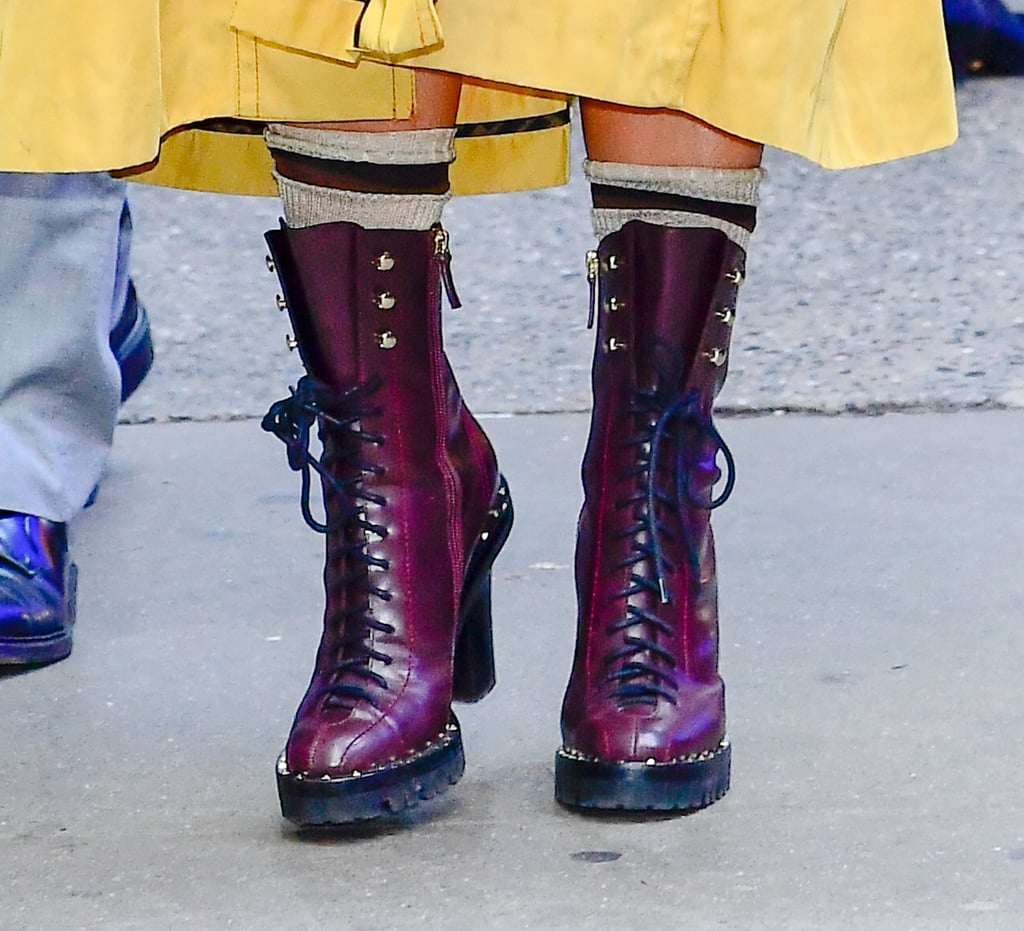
{"x": 365, "y": 306}
{"x": 363, "y": 303}
{"x": 664, "y": 300}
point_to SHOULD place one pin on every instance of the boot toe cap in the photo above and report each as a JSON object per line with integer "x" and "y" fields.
{"x": 662, "y": 733}
{"x": 354, "y": 743}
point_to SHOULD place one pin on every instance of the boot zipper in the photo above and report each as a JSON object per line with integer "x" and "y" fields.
{"x": 592, "y": 268}
{"x": 450, "y": 476}
{"x": 445, "y": 264}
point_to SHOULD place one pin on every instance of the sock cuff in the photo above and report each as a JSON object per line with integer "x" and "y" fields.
{"x": 726, "y": 185}
{"x": 311, "y": 205}
{"x": 607, "y": 221}
{"x": 409, "y": 147}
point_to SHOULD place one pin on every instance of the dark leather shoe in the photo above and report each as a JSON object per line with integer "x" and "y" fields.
{"x": 37, "y": 590}
{"x": 985, "y": 38}
{"x": 132, "y": 344}
{"x": 131, "y": 341}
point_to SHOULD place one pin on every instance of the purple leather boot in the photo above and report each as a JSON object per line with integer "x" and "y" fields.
{"x": 643, "y": 721}
{"x": 416, "y": 512}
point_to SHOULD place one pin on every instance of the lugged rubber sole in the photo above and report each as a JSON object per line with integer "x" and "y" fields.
{"x": 681, "y": 785}
{"x": 361, "y": 796}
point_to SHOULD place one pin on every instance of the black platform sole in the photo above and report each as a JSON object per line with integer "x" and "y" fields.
{"x": 360, "y": 796}
{"x": 682, "y": 785}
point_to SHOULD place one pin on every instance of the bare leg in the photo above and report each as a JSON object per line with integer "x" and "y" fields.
{"x": 437, "y": 102}
{"x": 634, "y": 136}
{"x": 399, "y": 159}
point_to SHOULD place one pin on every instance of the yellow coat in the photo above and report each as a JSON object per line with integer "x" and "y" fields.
{"x": 97, "y": 85}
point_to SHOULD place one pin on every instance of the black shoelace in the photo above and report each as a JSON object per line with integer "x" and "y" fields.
{"x": 343, "y": 412}
{"x": 643, "y": 668}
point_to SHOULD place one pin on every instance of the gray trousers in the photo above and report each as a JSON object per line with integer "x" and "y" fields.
{"x": 64, "y": 241}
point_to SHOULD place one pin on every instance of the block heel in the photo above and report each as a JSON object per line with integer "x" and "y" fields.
{"x": 473, "y": 673}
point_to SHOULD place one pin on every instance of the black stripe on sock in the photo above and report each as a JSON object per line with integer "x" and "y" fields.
{"x": 364, "y": 177}
{"x": 612, "y": 197}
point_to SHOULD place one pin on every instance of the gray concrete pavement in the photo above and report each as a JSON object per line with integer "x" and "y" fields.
{"x": 871, "y": 641}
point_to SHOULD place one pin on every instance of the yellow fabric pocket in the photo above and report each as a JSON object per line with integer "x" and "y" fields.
{"x": 326, "y": 28}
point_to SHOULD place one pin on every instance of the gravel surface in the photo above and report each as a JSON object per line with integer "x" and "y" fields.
{"x": 891, "y": 287}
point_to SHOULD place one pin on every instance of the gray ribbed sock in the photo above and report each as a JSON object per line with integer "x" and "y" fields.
{"x": 722, "y": 185}
{"x": 311, "y": 204}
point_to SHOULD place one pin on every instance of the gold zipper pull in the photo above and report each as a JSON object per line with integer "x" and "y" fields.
{"x": 445, "y": 258}
{"x": 440, "y": 240}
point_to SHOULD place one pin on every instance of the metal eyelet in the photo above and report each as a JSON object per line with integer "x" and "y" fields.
{"x": 614, "y": 345}
{"x": 291, "y": 342}
{"x": 735, "y": 276}
{"x": 615, "y": 262}
{"x": 271, "y": 265}
{"x": 716, "y": 356}
{"x": 385, "y": 300}
{"x": 282, "y": 304}
{"x": 613, "y": 304}
{"x": 386, "y": 339}
{"x": 384, "y": 262}
{"x": 726, "y": 315}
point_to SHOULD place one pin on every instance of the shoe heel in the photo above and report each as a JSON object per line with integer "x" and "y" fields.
{"x": 473, "y": 673}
